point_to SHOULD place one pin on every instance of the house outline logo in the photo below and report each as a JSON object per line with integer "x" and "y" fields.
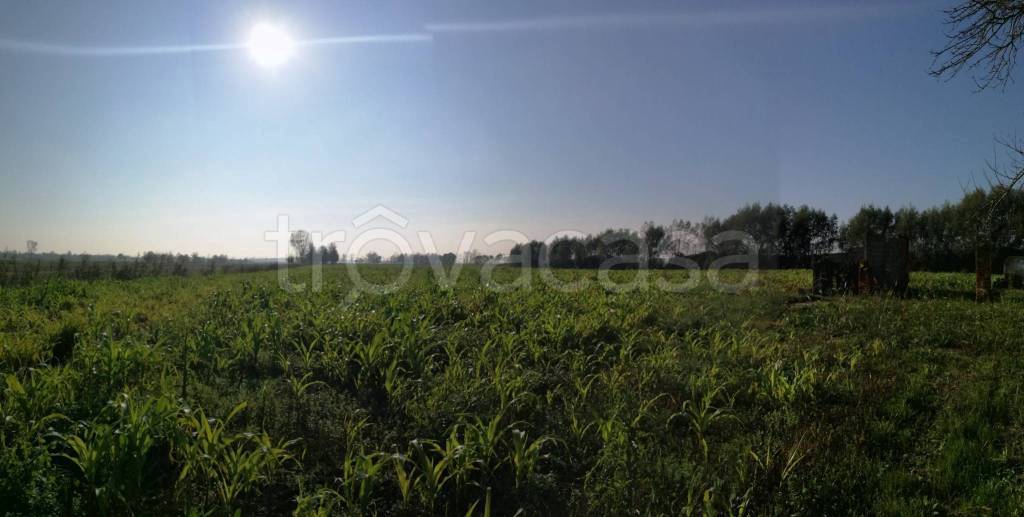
{"x": 378, "y": 212}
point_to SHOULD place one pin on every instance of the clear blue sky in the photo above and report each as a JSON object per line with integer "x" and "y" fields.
{"x": 533, "y": 116}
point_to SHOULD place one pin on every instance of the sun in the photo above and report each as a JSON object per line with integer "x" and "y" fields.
{"x": 270, "y": 46}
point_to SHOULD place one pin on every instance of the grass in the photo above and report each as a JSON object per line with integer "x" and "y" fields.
{"x": 226, "y": 395}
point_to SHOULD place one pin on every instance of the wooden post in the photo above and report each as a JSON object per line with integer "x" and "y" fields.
{"x": 983, "y": 271}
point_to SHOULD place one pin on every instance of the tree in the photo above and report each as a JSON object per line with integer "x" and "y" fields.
{"x": 31, "y": 247}
{"x": 984, "y": 34}
{"x": 560, "y": 252}
{"x": 810, "y": 232}
{"x": 332, "y": 256}
{"x": 373, "y": 258}
{"x": 653, "y": 234}
{"x": 1003, "y": 178}
{"x": 767, "y": 224}
{"x": 870, "y": 220}
{"x": 686, "y": 238}
{"x": 527, "y": 254}
{"x": 300, "y": 241}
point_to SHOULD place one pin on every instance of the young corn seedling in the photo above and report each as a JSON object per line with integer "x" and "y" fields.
{"x": 432, "y": 464}
{"x": 299, "y": 385}
{"x": 223, "y": 466}
{"x": 701, "y": 415}
{"x": 324, "y": 502}
{"x": 484, "y": 439}
{"x": 525, "y": 455}
{"x": 114, "y": 459}
{"x": 360, "y": 476}
{"x": 774, "y": 464}
{"x": 393, "y": 379}
{"x": 30, "y": 409}
{"x": 405, "y": 475}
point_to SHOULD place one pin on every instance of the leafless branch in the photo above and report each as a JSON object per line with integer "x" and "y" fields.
{"x": 983, "y": 35}
{"x": 1003, "y": 177}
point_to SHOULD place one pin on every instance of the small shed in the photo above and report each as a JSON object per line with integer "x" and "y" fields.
{"x": 881, "y": 266}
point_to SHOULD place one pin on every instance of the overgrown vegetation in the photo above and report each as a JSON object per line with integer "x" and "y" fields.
{"x": 225, "y": 394}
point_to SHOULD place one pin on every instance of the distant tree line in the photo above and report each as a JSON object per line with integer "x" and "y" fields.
{"x": 24, "y": 268}
{"x": 304, "y": 252}
{"x": 945, "y": 238}
{"x": 423, "y": 259}
{"x": 941, "y": 238}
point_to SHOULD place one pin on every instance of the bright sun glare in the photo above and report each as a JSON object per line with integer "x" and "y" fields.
{"x": 269, "y": 45}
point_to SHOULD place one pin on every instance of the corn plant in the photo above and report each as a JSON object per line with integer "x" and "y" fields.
{"x": 484, "y": 439}
{"x": 372, "y": 360}
{"x": 701, "y": 415}
{"x": 114, "y": 459}
{"x": 300, "y": 385}
{"x": 405, "y": 476}
{"x": 31, "y": 409}
{"x": 773, "y": 462}
{"x": 307, "y": 352}
{"x": 360, "y": 477}
{"x": 223, "y": 466}
{"x": 786, "y": 388}
{"x": 525, "y": 455}
{"x": 324, "y": 502}
{"x": 424, "y": 470}
{"x": 432, "y": 463}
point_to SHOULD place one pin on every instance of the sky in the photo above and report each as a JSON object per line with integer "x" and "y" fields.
{"x": 128, "y": 126}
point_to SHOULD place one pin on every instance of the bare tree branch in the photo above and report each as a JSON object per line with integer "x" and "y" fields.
{"x": 983, "y": 35}
{"x": 1004, "y": 178}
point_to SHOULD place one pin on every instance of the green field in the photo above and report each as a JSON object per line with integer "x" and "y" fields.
{"x": 225, "y": 394}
